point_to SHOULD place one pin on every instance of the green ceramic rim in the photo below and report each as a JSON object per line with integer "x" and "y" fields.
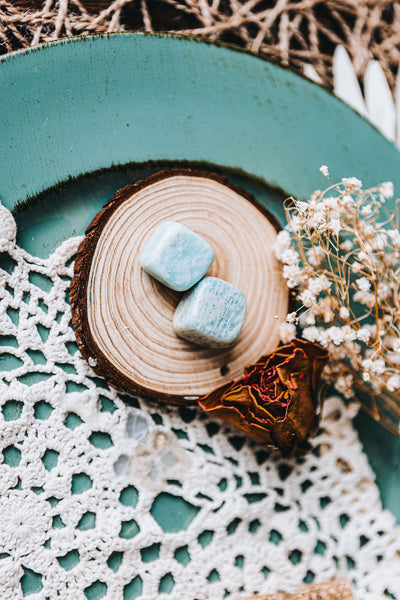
{"x": 113, "y": 99}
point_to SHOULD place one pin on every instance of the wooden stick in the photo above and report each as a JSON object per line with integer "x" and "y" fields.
{"x": 331, "y": 590}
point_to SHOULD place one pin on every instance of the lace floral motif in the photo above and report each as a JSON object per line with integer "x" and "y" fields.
{"x": 104, "y": 496}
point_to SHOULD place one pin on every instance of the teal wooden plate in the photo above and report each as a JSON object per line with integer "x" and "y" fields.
{"x": 82, "y": 117}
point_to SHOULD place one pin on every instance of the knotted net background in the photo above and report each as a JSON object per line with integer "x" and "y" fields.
{"x": 294, "y": 32}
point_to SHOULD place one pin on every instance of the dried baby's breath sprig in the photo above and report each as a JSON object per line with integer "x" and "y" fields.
{"x": 341, "y": 254}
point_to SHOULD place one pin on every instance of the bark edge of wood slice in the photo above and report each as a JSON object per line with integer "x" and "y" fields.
{"x": 122, "y": 317}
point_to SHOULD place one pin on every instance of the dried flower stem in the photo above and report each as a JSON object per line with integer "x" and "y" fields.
{"x": 341, "y": 251}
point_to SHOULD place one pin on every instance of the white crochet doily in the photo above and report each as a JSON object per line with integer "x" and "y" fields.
{"x": 102, "y": 499}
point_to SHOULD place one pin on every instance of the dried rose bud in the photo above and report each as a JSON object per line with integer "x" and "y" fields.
{"x": 276, "y": 401}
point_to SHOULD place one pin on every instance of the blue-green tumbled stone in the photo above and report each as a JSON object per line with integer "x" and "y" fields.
{"x": 211, "y": 314}
{"x": 176, "y": 256}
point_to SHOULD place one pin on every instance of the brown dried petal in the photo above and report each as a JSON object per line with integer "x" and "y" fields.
{"x": 276, "y": 401}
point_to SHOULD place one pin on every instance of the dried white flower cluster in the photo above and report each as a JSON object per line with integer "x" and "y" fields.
{"x": 341, "y": 252}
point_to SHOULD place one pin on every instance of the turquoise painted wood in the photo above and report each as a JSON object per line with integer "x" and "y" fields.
{"x": 84, "y": 104}
{"x": 92, "y": 103}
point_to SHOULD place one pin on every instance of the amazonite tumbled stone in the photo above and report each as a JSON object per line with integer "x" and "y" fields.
{"x": 211, "y": 314}
{"x": 176, "y": 256}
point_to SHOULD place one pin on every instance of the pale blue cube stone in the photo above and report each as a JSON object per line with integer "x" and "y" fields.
{"x": 211, "y": 314}
{"x": 176, "y": 256}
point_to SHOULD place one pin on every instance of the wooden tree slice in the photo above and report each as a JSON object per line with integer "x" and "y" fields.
{"x": 123, "y": 318}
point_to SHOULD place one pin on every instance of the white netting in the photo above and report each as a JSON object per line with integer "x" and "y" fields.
{"x": 105, "y": 499}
